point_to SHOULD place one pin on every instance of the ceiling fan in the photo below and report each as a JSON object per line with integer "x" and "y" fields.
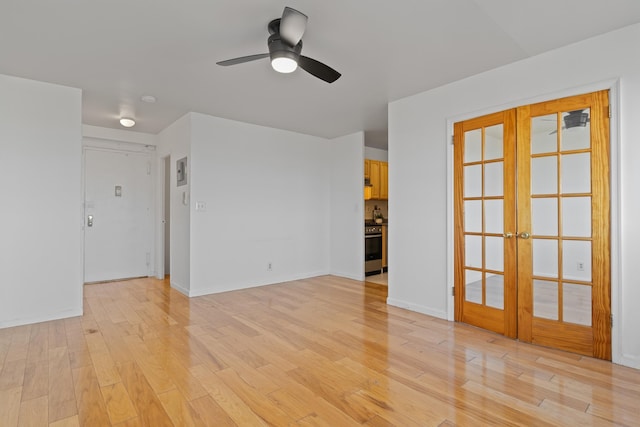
{"x": 574, "y": 119}
{"x": 285, "y": 45}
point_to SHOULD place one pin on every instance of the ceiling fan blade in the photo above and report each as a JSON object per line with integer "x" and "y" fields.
{"x": 292, "y": 25}
{"x": 318, "y": 69}
{"x": 242, "y": 59}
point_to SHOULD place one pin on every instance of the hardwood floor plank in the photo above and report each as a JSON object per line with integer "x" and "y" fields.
{"x": 12, "y": 374}
{"x": 118, "y": 404}
{"x": 66, "y": 422}
{"x": 34, "y": 412}
{"x": 323, "y": 351}
{"x": 62, "y": 399}
{"x": 232, "y": 404}
{"x": 144, "y": 399}
{"x": 211, "y": 414}
{"x": 36, "y": 380}
{"x": 10, "y": 406}
{"x": 179, "y": 410}
{"x": 89, "y": 401}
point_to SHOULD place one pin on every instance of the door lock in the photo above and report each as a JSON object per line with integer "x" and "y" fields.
{"x": 90, "y": 221}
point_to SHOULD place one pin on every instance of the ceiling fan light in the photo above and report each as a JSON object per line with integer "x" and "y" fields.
{"x": 283, "y": 64}
{"x": 127, "y": 122}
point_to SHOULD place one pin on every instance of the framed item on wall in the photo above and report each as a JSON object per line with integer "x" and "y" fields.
{"x": 181, "y": 171}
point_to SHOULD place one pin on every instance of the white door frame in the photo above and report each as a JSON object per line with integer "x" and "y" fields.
{"x": 100, "y": 144}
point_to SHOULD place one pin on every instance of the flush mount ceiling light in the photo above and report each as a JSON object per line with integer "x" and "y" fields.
{"x": 150, "y": 99}
{"x": 127, "y": 122}
{"x": 283, "y": 64}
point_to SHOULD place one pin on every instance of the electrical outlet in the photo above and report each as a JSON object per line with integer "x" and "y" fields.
{"x": 580, "y": 266}
{"x": 269, "y": 266}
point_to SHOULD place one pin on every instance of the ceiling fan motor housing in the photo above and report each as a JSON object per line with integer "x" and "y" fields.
{"x": 279, "y": 48}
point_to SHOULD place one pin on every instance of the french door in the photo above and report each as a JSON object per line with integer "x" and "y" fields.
{"x": 531, "y": 190}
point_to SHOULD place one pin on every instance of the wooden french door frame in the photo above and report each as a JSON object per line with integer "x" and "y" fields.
{"x": 500, "y": 320}
{"x": 518, "y": 317}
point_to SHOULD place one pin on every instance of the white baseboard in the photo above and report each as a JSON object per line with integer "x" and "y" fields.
{"x": 180, "y": 288}
{"x": 629, "y": 361}
{"x": 440, "y": 314}
{"x": 347, "y": 275}
{"x": 246, "y": 285}
{"x": 42, "y": 318}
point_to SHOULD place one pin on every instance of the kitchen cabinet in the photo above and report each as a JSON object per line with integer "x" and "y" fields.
{"x": 378, "y": 174}
{"x": 374, "y": 178}
{"x": 384, "y": 180}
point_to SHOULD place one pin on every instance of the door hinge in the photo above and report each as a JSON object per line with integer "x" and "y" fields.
{"x": 609, "y": 111}
{"x": 453, "y": 291}
{"x": 453, "y": 139}
{"x": 611, "y": 320}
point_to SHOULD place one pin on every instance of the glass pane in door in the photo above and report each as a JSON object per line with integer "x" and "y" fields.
{"x": 473, "y": 181}
{"x": 544, "y": 216}
{"x": 473, "y": 216}
{"x": 576, "y": 304}
{"x": 493, "y": 137}
{"x": 494, "y": 252}
{"x": 473, "y": 286}
{"x": 493, "y": 179}
{"x": 544, "y": 175}
{"x": 495, "y": 291}
{"x": 544, "y": 134}
{"x": 545, "y": 258}
{"x": 576, "y": 260}
{"x": 576, "y": 216}
{"x": 473, "y": 251}
{"x": 494, "y": 216}
{"x": 576, "y": 130}
{"x": 473, "y": 146}
{"x": 545, "y": 299}
{"x": 576, "y": 173}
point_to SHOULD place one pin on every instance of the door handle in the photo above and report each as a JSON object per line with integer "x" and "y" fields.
{"x": 508, "y": 235}
{"x": 90, "y": 221}
{"x": 524, "y": 235}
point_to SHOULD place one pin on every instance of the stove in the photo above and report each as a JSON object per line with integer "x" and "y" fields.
{"x": 372, "y": 249}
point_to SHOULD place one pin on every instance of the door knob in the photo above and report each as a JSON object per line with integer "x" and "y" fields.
{"x": 508, "y": 235}
{"x": 524, "y": 235}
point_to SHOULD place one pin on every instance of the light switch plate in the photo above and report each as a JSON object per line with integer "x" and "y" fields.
{"x": 201, "y": 206}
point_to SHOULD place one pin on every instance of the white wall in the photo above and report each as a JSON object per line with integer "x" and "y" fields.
{"x": 419, "y": 147}
{"x": 175, "y": 142}
{"x": 347, "y": 231}
{"x": 376, "y": 154}
{"x": 267, "y": 201}
{"x": 41, "y": 213}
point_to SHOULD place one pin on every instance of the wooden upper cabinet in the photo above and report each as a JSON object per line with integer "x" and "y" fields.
{"x": 374, "y": 177}
{"x": 377, "y": 172}
{"x": 384, "y": 180}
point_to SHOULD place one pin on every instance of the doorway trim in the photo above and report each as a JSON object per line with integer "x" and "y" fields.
{"x": 613, "y": 86}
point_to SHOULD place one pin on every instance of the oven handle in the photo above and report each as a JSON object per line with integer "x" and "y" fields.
{"x": 372, "y": 236}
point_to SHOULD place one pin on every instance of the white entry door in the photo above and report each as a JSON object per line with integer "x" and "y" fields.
{"x": 118, "y": 223}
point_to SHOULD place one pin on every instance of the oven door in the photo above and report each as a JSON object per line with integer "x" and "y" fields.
{"x": 372, "y": 253}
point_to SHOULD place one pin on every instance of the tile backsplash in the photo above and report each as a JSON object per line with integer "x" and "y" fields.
{"x": 370, "y": 205}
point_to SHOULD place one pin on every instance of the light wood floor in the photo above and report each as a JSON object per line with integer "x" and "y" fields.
{"x": 317, "y": 352}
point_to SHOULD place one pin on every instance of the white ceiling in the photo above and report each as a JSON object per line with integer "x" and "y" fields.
{"x": 118, "y": 50}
